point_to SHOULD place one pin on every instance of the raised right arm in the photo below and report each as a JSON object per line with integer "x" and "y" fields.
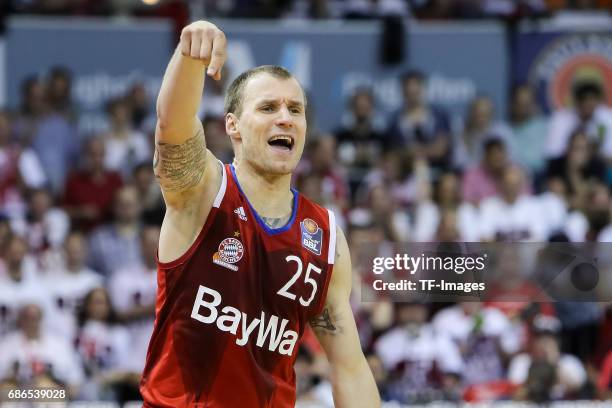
{"x": 187, "y": 172}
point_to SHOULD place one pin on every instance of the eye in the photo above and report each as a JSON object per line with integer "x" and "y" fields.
{"x": 296, "y": 110}
{"x": 267, "y": 108}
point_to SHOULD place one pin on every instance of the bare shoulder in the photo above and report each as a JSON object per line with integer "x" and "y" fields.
{"x": 182, "y": 223}
{"x": 342, "y": 272}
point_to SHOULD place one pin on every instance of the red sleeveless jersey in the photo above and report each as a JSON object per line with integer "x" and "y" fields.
{"x": 231, "y": 310}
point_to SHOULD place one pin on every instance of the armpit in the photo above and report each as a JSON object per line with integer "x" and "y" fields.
{"x": 179, "y": 167}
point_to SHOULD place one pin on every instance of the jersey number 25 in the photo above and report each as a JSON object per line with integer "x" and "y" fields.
{"x": 284, "y": 291}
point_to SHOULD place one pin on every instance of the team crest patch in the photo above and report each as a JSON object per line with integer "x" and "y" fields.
{"x": 312, "y": 236}
{"x": 230, "y": 251}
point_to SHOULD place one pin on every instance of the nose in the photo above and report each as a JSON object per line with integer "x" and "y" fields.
{"x": 284, "y": 118}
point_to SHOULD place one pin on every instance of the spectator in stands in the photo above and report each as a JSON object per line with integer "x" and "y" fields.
{"x": 312, "y": 388}
{"x": 423, "y": 365}
{"x": 140, "y": 107}
{"x": 214, "y": 94}
{"x": 511, "y": 289}
{"x": 125, "y": 146}
{"x": 589, "y": 113}
{"x": 529, "y": 127}
{"x": 315, "y": 188}
{"x": 394, "y": 221}
{"x": 544, "y": 373}
{"x": 217, "y": 140}
{"x": 321, "y": 162}
{"x": 380, "y": 375}
{"x": 480, "y": 126}
{"x": 50, "y": 134}
{"x": 18, "y": 283}
{"x": 419, "y": 127}
{"x": 482, "y": 181}
{"x": 88, "y": 210}
{"x": 133, "y": 290}
{"x": 70, "y": 282}
{"x": 513, "y": 215}
{"x": 448, "y": 227}
{"x": 580, "y": 321}
{"x": 575, "y": 168}
{"x": 19, "y": 168}
{"x": 406, "y": 177}
{"x": 597, "y": 211}
{"x": 446, "y": 196}
{"x": 31, "y": 353}
{"x": 360, "y": 136}
{"x": 153, "y": 207}
{"x": 116, "y": 244}
{"x": 59, "y": 93}
{"x": 44, "y": 226}
{"x": 5, "y": 237}
{"x": 484, "y": 336}
{"x": 366, "y": 241}
{"x": 104, "y": 349}
{"x": 33, "y": 107}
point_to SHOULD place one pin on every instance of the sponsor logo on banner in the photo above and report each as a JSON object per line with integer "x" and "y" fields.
{"x": 230, "y": 252}
{"x": 569, "y": 60}
{"x": 312, "y": 236}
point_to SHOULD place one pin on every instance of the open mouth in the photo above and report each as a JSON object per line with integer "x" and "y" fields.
{"x": 283, "y": 142}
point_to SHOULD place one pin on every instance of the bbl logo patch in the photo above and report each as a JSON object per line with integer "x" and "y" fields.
{"x": 230, "y": 251}
{"x": 312, "y": 236}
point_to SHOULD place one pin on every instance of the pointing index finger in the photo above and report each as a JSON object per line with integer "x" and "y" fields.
{"x": 218, "y": 56}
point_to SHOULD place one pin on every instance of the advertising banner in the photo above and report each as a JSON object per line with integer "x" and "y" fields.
{"x": 553, "y": 61}
{"x": 331, "y": 60}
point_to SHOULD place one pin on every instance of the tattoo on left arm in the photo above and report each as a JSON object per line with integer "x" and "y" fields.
{"x": 323, "y": 323}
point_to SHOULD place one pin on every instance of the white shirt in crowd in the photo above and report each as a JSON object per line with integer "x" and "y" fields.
{"x": 427, "y": 219}
{"x": 54, "y": 228}
{"x": 67, "y": 291}
{"x": 458, "y": 326}
{"x": 129, "y": 152}
{"x": 128, "y": 288}
{"x": 570, "y": 372}
{"x": 566, "y": 121}
{"x": 14, "y": 295}
{"x": 32, "y": 355}
{"x": 518, "y": 221}
{"x": 425, "y": 347}
{"x": 102, "y": 347}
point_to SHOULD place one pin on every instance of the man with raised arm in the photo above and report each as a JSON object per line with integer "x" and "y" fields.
{"x": 244, "y": 261}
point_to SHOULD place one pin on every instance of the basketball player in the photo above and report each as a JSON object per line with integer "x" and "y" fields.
{"x": 245, "y": 262}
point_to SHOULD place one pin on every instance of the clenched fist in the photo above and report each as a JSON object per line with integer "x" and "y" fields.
{"x": 204, "y": 41}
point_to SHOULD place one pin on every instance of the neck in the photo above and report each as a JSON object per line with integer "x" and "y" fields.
{"x": 73, "y": 267}
{"x": 270, "y": 195}
{"x": 32, "y": 335}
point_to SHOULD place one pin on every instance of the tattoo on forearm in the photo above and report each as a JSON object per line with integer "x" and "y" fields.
{"x": 323, "y": 322}
{"x": 180, "y": 166}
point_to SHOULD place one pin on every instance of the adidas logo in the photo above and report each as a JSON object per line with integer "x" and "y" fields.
{"x": 241, "y": 213}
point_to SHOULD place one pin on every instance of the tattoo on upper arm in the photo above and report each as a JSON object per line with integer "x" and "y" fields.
{"x": 323, "y": 323}
{"x": 180, "y": 166}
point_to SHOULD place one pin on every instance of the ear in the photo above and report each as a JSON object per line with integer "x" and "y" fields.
{"x": 231, "y": 126}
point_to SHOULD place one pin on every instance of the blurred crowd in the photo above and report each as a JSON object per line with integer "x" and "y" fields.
{"x": 310, "y": 9}
{"x": 80, "y": 217}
